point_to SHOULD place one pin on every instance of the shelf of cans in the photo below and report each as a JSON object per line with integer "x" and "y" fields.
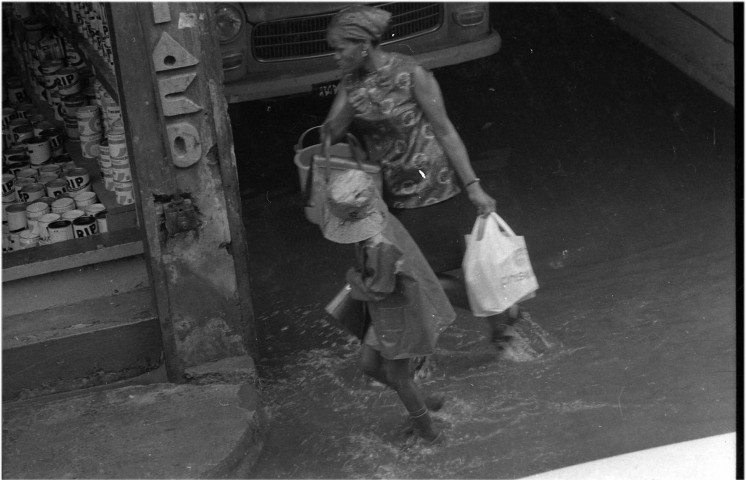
{"x": 67, "y": 41}
{"x": 92, "y": 22}
{"x": 47, "y": 197}
{"x": 40, "y": 180}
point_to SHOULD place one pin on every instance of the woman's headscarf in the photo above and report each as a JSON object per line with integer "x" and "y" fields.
{"x": 359, "y": 22}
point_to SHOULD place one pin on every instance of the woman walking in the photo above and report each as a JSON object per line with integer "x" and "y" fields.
{"x": 396, "y": 107}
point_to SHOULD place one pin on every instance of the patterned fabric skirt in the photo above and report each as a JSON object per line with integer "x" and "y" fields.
{"x": 439, "y": 230}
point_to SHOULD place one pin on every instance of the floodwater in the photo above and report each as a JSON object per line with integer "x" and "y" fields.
{"x": 621, "y": 175}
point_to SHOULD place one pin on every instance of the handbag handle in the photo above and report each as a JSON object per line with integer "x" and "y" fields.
{"x": 301, "y": 139}
{"x": 326, "y": 151}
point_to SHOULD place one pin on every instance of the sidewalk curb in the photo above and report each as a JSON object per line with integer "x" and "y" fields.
{"x": 143, "y": 431}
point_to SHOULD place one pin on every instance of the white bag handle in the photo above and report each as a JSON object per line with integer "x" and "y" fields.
{"x": 503, "y": 224}
{"x": 482, "y": 221}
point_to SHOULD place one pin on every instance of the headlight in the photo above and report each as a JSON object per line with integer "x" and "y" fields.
{"x": 229, "y": 22}
{"x": 470, "y": 17}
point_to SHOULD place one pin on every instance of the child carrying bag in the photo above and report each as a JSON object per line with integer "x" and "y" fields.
{"x": 348, "y": 312}
{"x": 497, "y": 270}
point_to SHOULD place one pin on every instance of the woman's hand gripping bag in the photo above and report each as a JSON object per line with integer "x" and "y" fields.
{"x": 497, "y": 270}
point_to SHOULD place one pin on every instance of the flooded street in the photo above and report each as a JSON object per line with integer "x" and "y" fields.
{"x": 620, "y": 173}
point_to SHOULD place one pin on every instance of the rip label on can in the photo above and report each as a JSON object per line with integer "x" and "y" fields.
{"x": 84, "y": 226}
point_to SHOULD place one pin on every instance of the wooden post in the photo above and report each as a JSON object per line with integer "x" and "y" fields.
{"x": 169, "y": 76}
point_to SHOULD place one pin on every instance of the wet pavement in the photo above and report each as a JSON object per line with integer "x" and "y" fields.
{"x": 620, "y": 173}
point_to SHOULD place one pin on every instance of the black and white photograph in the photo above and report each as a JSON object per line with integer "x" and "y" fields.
{"x": 392, "y": 240}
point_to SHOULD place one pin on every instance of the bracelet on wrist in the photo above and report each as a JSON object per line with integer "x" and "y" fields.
{"x": 472, "y": 182}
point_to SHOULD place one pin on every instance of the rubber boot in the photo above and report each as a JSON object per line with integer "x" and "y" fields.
{"x": 423, "y": 427}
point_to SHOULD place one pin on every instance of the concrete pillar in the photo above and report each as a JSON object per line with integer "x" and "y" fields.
{"x": 180, "y": 144}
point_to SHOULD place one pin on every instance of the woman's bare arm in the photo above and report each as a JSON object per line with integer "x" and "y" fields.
{"x": 338, "y": 119}
{"x": 428, "y": 95}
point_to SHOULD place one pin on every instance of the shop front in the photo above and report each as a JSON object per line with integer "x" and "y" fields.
{"x": 123, "y": 247}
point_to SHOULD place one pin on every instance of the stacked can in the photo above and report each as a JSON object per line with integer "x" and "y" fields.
{"x": 49, "y": 70}
{"x": 15, "y": 215}
{"x": 31, "y": 192}
{"x": 26, "y": 110}
{"x": 68, "y": 81}
{"x": 9, "y": 189}
{"x": 71, "y": 129}
{"x": 84, "y": 226}
{"x": 120, "y": 167}
{"x": 34, "y": 211}
{"x": 43, "y": 227}
{"x": 21, "y": 129}
{"x": 49, "y": 176}
{"x": 100, "y": 91}
{"x": 93, "y": 25}
{"x": 40, "y": 123}
{"x": 45, "y": 178}
{"x": 28, "y": 172}
{"x": 84, "y": 199}
{"x": 9, "y": 114}
{"x": 50, "y": 46}
{"x": 112, "y": 112}
{"x": 71, "y": 104}
{"x": 16, "y": 93}
{"x": 56, "y": 137}
{"x": 78, "y": 180}
{"x": 15, "y": 159}
{"x": 39, "y": 151}
{"x": 62, "y": 205}
{"x": 21, "y": 183}
{"x": 104, "y": 164}
{"x": 33, "y": 31}
{"x": 55, "y": 188}
{"x": 73, "y": 56}
{"x": 90, "y": 93}
{"x": 90, "y": 130}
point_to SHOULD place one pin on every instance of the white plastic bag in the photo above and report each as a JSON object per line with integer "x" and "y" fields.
{"x": 497, "y": 270}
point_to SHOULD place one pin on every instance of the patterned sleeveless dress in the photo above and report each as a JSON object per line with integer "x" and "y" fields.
{"x": 398, "y": 137}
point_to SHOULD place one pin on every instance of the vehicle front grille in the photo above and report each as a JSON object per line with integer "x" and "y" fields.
{"x": 304, "y": 37}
